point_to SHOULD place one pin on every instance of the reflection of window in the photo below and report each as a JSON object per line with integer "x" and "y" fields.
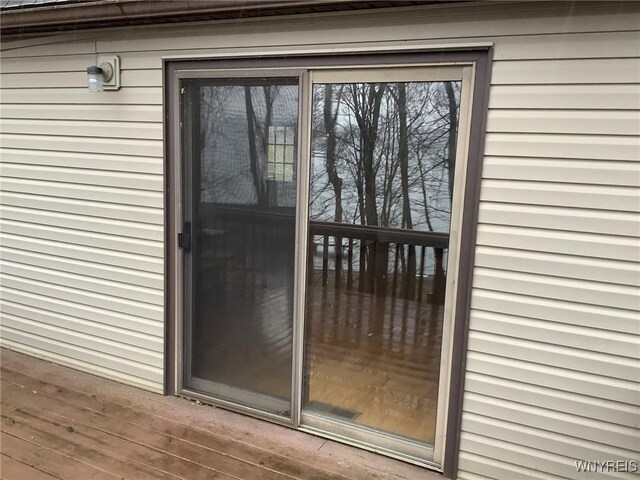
{"x": 280, "y": 156}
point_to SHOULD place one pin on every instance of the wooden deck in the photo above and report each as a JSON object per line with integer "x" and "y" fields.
{"x": 58, "y": 423}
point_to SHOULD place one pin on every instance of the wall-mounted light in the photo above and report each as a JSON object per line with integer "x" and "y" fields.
{"x": 105, "y": 75}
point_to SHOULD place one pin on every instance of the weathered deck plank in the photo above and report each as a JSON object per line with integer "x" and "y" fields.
{"x": 134, "y": 441}
{"x": 29, "y": 451}
{"x": 134, "y": 434}
{"x": 12, "y": 469}
{"x": 73, "y": 443}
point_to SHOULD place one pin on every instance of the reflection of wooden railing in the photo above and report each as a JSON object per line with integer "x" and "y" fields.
{"x": 380, "y": 260}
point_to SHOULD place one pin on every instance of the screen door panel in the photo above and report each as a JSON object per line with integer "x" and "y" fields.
{"x": 241, "y": 200}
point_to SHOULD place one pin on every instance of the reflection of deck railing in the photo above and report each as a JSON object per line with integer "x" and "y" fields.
{"x": 380, "y": 260}
{"x": 385, "y": 261}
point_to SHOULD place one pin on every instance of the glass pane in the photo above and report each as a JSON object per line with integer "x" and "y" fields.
{"x": 383, "y": 161}
{"x": 243, "y": 249}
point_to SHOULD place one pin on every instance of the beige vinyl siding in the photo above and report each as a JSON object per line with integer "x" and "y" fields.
{"x": 553, "y": 363}
{"x": 82, "y": 218}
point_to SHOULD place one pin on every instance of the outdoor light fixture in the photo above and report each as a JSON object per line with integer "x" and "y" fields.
{"x": 105, "y": 75}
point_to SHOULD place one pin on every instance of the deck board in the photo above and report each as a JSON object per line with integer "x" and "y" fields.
{"x": 79, "y": 426}
{"x": 33, "y": 450}
{"x": 12, "y": 469}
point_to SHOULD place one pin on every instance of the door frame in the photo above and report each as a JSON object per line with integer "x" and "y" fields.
{"x": 479, "y": 59}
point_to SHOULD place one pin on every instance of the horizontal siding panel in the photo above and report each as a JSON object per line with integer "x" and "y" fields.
{"x": 75, "y": 356}
{"x": 77, "y": 79}
{"x": 570, "y": 313}
{"x": 568, "y": 46}
{"x": 71, "y": 96}
{"x": 582, "y": 428}
{"x": 566, "y": 195}
{"x": 49, "y": 46}
{"x": 537, "y": 353}
{"x": 142, "y": 60}
{"x": 533, "y": 459}
{"x": 581, "y": 383}
{"x": 104, "y": 113}
{"x": 579, "y": 291}
{"x": 77, "y": 63}
{"x": 548, "y": 332}
{"x": 97, "y": 129}
{"x": 86, "y": 312}
{"x": 83, "y": 282}
{"x": 92, "y": 193}
{"x": 88, "y": 239}
{"x": 119, "y": 146}
{"x": 559, "y": 218}
{"x": 86, "y": 267}
{"x": 602, "y": 70}
{"x": 98, "y": 330}
{"x": 554, "y": 241}
{"x": 464, "y": 475}
{"x": 84, "y": 339}
{"x": 373, "y": 27}
{"x": 50, "y": 63}
{"x": 542, "y": 440}
{"x": 84, "y": 223}
{"x": 150, "y": 312}
{"x": 565, "y": 266}
{"x": 148, "y": 220}
{"x": 488, "y": 468}
{"x": 580, "y": 97}
{"x": 107, "y": 257}
{"x": 564, "y": 121}
{"x": 84, "y": 177}
{"x": 564, "y": 171}
{"x": 116, "y": 163}
{"x": 592, "y": 147}
{"x": 565, "y": 402}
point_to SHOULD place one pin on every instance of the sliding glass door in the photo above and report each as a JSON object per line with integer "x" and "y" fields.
{"x": 319, "y": 227}
{"x": 383, "y": 162}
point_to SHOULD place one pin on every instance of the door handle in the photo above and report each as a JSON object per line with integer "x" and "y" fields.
{"x": 184, "y": 238}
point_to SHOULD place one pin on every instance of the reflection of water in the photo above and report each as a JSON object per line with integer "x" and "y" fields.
{"x": 322, "y": 205}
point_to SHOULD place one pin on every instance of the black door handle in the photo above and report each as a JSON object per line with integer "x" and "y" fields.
{"x": 184, "y": 238}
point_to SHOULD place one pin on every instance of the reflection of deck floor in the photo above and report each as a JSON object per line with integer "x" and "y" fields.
{"x": 375, "y": 361}
{"x": 377, "y": 358}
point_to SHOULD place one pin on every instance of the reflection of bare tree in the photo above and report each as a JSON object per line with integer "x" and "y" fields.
{"x": 212, "y": 101}
{"x": 330, "y": 116}
{"x": 453, "y": 130}
{"x": 254, "y": 163}
{"x": 393, "y": 160}
{"x": 258, "y": 137}
{"x": 366, "y": 100}
{"x": 388, "y": 159}
{"x": 403, "y": 154}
